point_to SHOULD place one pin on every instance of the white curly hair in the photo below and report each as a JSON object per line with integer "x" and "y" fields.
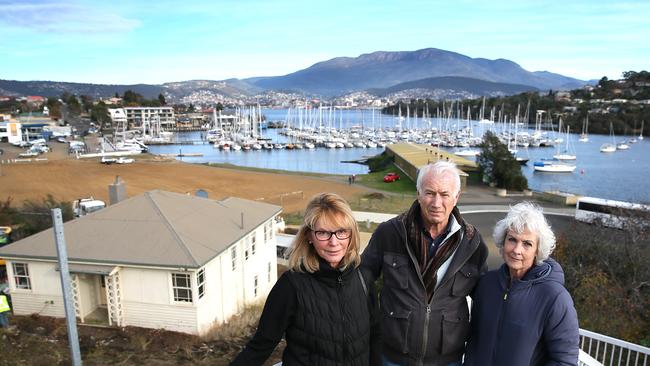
{"x": 522, "y": 216}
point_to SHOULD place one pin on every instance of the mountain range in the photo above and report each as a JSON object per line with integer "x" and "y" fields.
{"x": 380, "y": 73}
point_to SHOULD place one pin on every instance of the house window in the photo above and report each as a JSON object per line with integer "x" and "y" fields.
{"x": 255, "y": 286}
{"x": 200, "y": 281}
{"x": 268, "y": 231}
{"x": 21, "y": 276}
{"x": 182, "y": 287}
{"x": 250, "y": 247}
{"x": 233, "y": 256}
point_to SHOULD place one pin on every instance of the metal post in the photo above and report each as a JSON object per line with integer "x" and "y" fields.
{"x": 62, "y": 254}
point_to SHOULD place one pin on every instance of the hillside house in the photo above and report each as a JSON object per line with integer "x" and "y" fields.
{"x": 157, "y": 260}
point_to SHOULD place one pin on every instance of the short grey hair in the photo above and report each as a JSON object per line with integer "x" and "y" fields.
{"x": 522, "y": 216}
{"x": 439, "y": 168}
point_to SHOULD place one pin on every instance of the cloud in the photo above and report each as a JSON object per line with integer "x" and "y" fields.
{"x": 63, "y": 16}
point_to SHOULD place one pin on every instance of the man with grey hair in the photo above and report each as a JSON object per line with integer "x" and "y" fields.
{"x": 431, "y": 260}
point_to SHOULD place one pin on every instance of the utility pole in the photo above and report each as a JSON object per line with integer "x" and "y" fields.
{"x": 62, "y": 254}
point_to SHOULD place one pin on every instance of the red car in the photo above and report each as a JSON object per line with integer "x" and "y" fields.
{"x": 391, "y": 177}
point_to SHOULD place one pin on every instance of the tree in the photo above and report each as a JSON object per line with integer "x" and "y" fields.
{"x": 54, "y": 106}
{"x": 74, "y": 107}
{"x": 32, "y": 217}
{"x": 606, "y": 271}
{"x": 99, "y": 113}
{"x": 161, "y": 99}
{"x": 132, "y": 98}
{"x": 87, "y": 103}
{"x": 499, "y": 166}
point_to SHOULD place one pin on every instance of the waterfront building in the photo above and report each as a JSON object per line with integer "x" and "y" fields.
{"x": 137, "y": 116}
{"x": 118, "y": 116}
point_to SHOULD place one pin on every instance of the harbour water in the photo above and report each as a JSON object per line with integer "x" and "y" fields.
{"x": 621, "y": 175}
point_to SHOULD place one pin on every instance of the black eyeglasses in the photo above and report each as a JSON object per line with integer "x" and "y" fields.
{"x": 340, "y": 234}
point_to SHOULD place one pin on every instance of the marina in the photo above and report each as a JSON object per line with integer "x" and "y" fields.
{"x": 595, "y": 173}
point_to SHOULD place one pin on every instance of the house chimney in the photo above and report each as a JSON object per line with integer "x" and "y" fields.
{"x": 116, "y": 191}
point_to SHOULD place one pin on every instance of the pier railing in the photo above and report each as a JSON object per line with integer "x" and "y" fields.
{"x": 605, "y": 350}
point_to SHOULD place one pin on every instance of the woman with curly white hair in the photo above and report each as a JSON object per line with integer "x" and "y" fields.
{"x": 522, "y": 314}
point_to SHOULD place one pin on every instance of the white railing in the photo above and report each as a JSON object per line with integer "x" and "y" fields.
{"x": 585, "y": 360}
{"x": 598, "y": 350}
{"x": 611, "y": 351}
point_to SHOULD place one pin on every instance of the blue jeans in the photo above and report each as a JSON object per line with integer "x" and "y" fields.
{"x": 387, "y": 362}
{"x": 4, "y": 321}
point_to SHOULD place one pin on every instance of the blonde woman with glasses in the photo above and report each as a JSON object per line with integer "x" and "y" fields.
{"x": 322, "y": 306}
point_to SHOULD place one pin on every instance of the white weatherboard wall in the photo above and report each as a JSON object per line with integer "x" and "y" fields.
{"x": 228, "y": 291}
{"x": 147, "y": 301}
{"x": 210, "y": 308}
{"x": 87, "y": 293}
{"x": 45, "y": 296}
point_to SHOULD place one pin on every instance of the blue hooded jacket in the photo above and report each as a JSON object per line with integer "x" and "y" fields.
{"x": 533, "y": 322}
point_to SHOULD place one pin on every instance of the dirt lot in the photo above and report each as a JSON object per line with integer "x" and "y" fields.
{"x": 67, "y": 179}
{"x": 35, "y": 341}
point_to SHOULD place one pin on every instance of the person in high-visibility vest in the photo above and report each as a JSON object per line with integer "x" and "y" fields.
{"x": 4, "y": 310}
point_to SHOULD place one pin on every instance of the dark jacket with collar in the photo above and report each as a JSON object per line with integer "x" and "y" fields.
{"x": 414, "y": 330}
{"x": 326, "y": 318}
{"x": 531, "y": 323}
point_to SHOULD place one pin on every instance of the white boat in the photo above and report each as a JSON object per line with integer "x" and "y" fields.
{"x": 584, "y": 136}
{"x": 309, "y": 145}
{"x": 609, "y": 147}
{"x": 622, "y": 146}
{"x": 468, "y": 152}
{"x": 641, "y": 133}
{"x": 550, "y": 167}
{"x": 567, "y": 153}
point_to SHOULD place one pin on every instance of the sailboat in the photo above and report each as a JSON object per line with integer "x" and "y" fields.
{"x": 551, "y": 167}
{"x": 641, "y": 133}
{"x": 607, "y": 147}
{"x": 584, "y": 136}
{"x": 566, "y": 154}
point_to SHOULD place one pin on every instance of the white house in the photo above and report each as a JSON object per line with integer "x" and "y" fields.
{"x": 158, "y": 260}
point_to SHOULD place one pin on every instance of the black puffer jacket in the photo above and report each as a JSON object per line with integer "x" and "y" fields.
{"x": 415, "y": 331}
{"x": 325, "y": 317}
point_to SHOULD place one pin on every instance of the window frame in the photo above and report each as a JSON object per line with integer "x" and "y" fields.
{"x": 26, "y": 276}
{"x": 176, "y": 297}
{"x": 200, "y": 283}
{"x": 233, "y": 258}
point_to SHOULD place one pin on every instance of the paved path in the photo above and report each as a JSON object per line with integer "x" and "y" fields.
{"x": 377, "y": 217}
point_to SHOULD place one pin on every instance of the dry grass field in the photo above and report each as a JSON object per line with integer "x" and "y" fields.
{"x": 67, "y": 179}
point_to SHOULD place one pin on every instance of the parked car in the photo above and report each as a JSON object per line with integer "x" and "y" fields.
{"x": 106, "y": 160}
{"x": 123, "y": 160}
{"x": 391, "y": 177}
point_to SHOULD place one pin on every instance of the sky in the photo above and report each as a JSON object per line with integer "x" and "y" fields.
{"x": 153, "y": 42}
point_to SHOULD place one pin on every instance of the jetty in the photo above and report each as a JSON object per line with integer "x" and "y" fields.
{"x": 410, "y": 157}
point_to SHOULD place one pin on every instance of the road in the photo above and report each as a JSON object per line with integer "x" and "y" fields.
{"x": 484, "y": 217}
